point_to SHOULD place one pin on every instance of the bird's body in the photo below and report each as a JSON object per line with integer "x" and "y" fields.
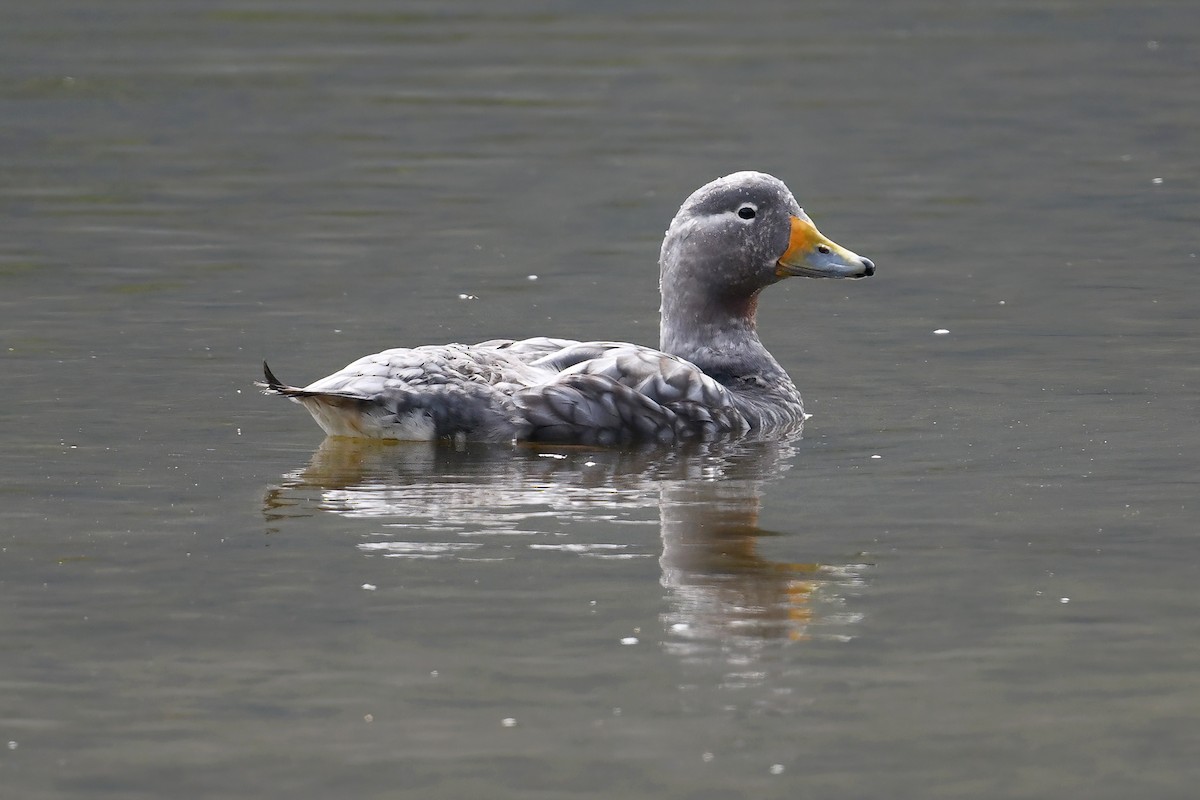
{"x": 711, "y": 376}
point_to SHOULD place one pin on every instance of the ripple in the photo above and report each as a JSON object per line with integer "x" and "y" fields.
{"x": 417, "y": 549}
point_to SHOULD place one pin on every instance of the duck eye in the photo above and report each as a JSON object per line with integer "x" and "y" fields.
{"x": 823, "y": 249}
{"x": 746, "y": 212}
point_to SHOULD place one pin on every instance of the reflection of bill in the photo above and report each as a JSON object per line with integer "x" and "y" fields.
{"x": 439, "y": 501}
{"x": 723, "y": 590}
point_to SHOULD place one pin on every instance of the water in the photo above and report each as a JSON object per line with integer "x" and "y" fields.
{"x": 973, "y": 575}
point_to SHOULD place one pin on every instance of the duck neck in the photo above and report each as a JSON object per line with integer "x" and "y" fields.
{"x": 717, "y": 333}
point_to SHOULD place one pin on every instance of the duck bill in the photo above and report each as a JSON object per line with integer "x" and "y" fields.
{"x": 811, "y": 255}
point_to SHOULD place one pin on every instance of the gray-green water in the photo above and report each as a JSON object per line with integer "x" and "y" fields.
{"x": 975, "y": 575}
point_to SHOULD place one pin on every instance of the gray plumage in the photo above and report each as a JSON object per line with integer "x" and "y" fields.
{"x": 711, "y": 377}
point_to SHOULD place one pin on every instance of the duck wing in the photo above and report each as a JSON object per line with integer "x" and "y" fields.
{"x": 529, "y": 350}
{"x": 611, "y": 392}
{"x": 533, "y": 389}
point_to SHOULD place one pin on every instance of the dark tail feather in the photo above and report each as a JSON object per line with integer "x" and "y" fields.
{"x": 273, "y": 385}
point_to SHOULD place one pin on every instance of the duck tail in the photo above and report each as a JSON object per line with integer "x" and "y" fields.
{"x": 272, "y": 385}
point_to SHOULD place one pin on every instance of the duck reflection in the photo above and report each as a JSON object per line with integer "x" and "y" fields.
{"x": 723, "y": 590}
{"x": 495, "y": 502}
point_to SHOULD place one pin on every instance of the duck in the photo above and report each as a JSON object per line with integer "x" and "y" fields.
{"x": 710, "y": 377}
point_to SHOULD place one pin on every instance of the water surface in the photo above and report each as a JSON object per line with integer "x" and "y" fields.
{"x": 972, "y": 576}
